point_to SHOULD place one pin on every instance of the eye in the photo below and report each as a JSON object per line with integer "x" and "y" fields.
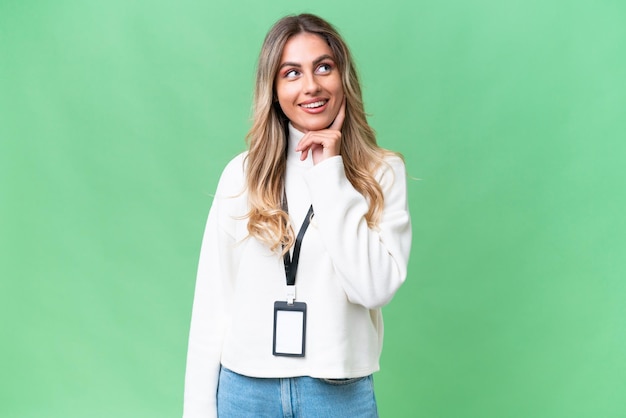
{"x": 324, "y": 68}
{"x": 291, "y": 74}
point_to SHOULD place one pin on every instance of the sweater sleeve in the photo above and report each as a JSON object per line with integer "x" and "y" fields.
{"x": 210, "y": 310}
{"x": 371, "y": 262}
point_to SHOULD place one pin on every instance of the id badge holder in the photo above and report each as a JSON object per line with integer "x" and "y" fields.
{"x": 289, "y": 329}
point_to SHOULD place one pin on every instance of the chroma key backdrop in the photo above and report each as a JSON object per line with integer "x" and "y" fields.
{"x": 117, "y": 117}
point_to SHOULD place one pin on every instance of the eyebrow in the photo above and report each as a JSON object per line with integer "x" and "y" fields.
{"x": 315, "y": 62}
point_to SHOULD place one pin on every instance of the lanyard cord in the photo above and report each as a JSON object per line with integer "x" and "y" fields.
{"x": 291, "y": 264}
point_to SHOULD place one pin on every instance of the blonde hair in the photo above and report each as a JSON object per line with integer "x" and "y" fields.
{"x": 267, "y": 138}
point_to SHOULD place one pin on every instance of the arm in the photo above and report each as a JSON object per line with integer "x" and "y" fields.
{"x": 371, "y": 263}
{"x": 206, "y": 331}
{"x": 210, "y": 308}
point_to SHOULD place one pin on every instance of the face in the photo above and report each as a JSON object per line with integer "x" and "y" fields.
{"x": 308, "y": 83}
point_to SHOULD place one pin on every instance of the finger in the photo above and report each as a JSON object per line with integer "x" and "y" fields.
{"x": 304, "y": 142}
{"x": 310, "y": 138}
{"x": 341, "y": 116}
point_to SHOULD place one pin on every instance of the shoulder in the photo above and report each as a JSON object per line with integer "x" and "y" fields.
{"x": 232, "y": 180}
{"x": 391, "y": 169}
{"x": 394, "y": 161}
{"x": 236, "y": 166}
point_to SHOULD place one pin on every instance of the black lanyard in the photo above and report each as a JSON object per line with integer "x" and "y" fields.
{"x": 291, "y": 264}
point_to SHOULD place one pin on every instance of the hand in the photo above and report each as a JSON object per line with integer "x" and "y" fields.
{"x": 324, "y": 143}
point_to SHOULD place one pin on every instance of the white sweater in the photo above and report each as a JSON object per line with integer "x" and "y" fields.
{"x": 347, "y": 271}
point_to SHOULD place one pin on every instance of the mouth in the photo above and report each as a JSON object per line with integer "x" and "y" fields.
{"x": 314, "y": 105}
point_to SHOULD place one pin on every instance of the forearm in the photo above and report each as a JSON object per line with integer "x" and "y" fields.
{"x": 371, "y": 262}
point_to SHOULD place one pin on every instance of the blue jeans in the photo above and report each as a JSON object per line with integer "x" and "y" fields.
{"x": 297, "y": 397}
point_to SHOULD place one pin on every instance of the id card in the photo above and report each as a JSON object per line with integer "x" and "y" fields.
{"x": 289, "y": 329}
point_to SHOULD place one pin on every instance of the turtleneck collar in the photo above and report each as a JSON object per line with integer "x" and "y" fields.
{"x": 292, "y": 156}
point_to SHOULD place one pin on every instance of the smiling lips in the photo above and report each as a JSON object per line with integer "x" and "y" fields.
{"x": 314, "y": 106}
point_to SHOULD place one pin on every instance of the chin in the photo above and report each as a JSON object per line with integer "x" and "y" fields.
{"x": 314, "y": 125}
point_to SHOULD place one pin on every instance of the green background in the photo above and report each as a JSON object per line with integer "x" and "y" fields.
{"x": 116, "y": 118}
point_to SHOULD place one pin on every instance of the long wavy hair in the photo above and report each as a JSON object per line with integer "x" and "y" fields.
{"x": 267, "y": 138}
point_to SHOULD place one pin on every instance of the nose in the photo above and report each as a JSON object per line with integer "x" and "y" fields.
{"x": 311, "y": 85}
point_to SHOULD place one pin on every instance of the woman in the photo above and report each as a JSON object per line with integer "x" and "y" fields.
{"x": 261, "y": 345}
